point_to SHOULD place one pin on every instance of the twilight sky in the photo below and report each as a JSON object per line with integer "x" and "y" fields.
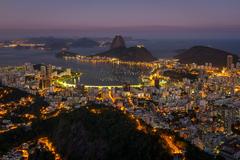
{"x": 222, "y": 16}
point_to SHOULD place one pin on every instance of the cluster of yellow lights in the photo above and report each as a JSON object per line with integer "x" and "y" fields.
{"x": 46, "y": 113}
{"x": 29, "y": 116}
{"x": 237, "y": 89}
{"x": 113, "y": 86}
{"x": 25, "y": 154}
{"x": 48, "y": 145}
{"x": 95, "y": 111}
{"x": 10, "y": 128}
{"x": 23, "y": 102}
{"x": 223, "y": 73}
{"x": 140, "y": 127}
{"x": 154, "y": 76}
{"x": 131, "y": 102}
{"x": 171, "y": 145}
{"x": 111, "y": 97}
{"x": 8, "y": 107}
{"x": 110, "y": 60}
{"x": 26, "y": 101}
{"x": 65, "y": 84}
{"x": 2, "y": 112}
{"x": 4, "y": 93}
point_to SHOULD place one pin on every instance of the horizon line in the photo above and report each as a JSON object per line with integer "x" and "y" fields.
{"x": 141, "y": 27}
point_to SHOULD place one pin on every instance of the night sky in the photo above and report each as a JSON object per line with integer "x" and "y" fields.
{"x": 166, "y": 15}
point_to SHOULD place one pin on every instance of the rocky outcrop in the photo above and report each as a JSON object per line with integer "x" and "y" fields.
{"x": 118, "y": 42}
{"x": 119, "y": 50}
{"x": 135, "y": 54}
{"x": 64, "y": 53}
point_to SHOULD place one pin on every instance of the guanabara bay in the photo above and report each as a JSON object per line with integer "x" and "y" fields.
{"x": 119, "y": 80}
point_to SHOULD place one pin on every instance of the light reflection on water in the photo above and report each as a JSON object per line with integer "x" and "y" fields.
{"x": 93, "y": 74}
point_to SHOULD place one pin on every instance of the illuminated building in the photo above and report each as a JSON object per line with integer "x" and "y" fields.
{"x": 229, "y": 61}
{"x": 44, "y": 83}
{"x": 140, "y": 46}
{"x": 78, "y": 82}
{"x": 29, "y": 67}
{"x": 49, "y": 71}
{"x": 68, "y": 71}
{"x": 238, "y": 64}
{"x": 43, "y": 70}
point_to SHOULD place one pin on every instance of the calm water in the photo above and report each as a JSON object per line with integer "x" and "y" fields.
{"x": 106, "y": 73}
{"x": 93, "y": 74}
{"x": 162, "y": 48}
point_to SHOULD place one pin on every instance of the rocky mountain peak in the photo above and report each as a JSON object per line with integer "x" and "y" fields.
{"x": 118, "y": 42}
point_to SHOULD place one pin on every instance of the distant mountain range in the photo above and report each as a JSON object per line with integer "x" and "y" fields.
{"x": 197, "y": 54}
{"x": 120, "y": 51}
{"x": 202, "y": 54}
{"x": 58, "y": 43}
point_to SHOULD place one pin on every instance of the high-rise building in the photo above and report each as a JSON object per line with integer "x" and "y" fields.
{"x": 44, "y": 83}
{"x": 156, "y": 83}
{"x": 78, "y": 82}
{"x": 43, "y": 71}
{"x": 238, "y": 65}
{"x": 229, "y": 61}
{"x": 29, "y": 67}
{"x": 68, "y": 71}
{"x": 49, "y": 71}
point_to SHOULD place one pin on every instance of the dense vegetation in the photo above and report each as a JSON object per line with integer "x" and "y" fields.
{"x": 107, "y": 135}
{"x": 135, "y": 54}
{"x": 202, "y": 54}
{"x": 85, "y": 135}
{"x": 96, "y": 132}
{"x": 175, "y": 75}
